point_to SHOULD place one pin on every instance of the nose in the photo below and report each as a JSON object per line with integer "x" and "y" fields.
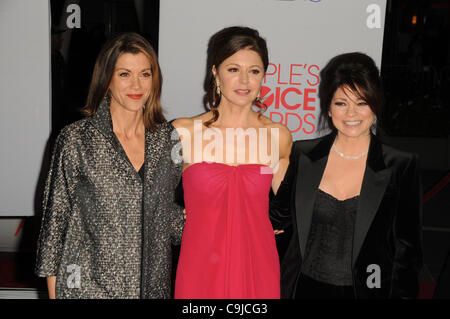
{"x": 351, "y": 110}
{"x": 135, "y": 82}
{"x": 243, "y": 77}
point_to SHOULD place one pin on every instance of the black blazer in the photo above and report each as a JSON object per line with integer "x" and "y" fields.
{"x": 388, "y": 222}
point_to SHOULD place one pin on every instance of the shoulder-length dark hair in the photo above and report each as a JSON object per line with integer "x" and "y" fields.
{"x": 355, "y": 71}
{"x": 221, "y": 46}
{"x": 104, "y": 68}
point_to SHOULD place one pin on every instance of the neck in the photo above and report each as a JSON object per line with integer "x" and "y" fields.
{"x": 352, "y": 146}
{"x": 126, "y": 122}
{"x": 234, "y": 116}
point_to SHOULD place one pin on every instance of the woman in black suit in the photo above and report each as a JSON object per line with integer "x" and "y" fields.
{"x": 354, "y": 203}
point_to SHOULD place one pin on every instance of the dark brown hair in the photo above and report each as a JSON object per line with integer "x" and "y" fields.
{"x": 104, "y": 68}
{"x": 355, "y": 71}
{"x": 221, "y": 46}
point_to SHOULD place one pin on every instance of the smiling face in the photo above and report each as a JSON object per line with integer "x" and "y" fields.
{"x": 239, "y": 78}
{"x": 131, "y": 82}
{"x": 351, "y": 115}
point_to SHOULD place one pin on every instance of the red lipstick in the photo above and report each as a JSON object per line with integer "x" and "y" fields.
{"x": 135, "y": 96}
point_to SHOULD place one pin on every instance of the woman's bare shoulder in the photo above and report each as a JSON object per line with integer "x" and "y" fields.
{"x": 283, "y": 129}
{"x": 182, "y": 122}
{"x": 284, "y": 135}
{"x": 188, "y": 122}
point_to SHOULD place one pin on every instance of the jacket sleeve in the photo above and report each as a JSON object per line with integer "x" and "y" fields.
{"x": 177, "y": 222}
{"x": 177, "y": 202}
{"x": 57, "y": 208}
{"x": 408, "y": 258}
{"x": 280, "y": 204}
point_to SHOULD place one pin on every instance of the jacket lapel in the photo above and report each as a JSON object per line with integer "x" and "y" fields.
{"x": 310, "y": 172}
{"x": 153, "y": 151}
{"x": 375, "y": 180}
{"x": 310, "y": 168}
{"x": 102, "y": 121}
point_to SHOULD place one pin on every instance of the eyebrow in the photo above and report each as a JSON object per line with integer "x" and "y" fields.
{"x": 130, "y": 70}
{"x": 347, "y": 98}
{"x": 231, "y": 63}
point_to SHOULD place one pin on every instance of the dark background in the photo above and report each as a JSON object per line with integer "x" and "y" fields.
{"x": 416, "y": 77}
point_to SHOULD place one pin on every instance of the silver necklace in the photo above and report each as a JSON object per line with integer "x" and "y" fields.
{"x": 348, "y": 156}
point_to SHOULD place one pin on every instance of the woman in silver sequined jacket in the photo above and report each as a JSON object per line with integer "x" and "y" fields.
{"x": 109, "y": 214}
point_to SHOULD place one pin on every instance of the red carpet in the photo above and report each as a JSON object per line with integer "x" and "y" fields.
{"x": 13, "y": 275}
{"x": 427, "y": 289}
{"x": 10, "y": 278}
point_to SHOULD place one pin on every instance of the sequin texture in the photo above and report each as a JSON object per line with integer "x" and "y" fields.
{"x": 105, "y": 233}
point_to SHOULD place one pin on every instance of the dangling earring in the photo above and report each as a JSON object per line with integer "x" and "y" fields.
{"x": 258, "y": 99}
{"x": 218, "y": 91}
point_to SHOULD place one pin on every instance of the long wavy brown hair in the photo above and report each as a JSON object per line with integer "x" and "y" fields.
{"x": 133, "y": 43}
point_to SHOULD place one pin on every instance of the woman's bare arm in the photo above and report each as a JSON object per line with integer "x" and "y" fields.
{"x": 51, "y": 283}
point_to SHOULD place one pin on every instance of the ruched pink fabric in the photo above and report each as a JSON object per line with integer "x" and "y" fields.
{"x": 228, "y": 246}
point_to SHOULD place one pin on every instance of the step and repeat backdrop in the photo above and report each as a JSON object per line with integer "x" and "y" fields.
{"x": 302, "y": 36}
{"x": 25, "y": 90}
{"x": 46, "y": 66}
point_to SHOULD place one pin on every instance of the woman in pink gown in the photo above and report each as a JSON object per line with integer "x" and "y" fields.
{"x": 228, "y": 246}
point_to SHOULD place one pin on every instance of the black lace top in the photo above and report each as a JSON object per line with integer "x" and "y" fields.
{"x": 330, "y": 240}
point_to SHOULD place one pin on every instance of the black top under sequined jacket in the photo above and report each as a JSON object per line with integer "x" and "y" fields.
{"x": 105, "y": 233}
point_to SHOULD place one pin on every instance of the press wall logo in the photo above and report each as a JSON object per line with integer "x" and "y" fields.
{"x": 293, "y": 99}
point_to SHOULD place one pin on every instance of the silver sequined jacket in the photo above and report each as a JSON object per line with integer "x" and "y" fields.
{"x": 104, "y": 232}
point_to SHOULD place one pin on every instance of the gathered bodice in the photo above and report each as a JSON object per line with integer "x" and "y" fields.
{"x": 228, "y": 247}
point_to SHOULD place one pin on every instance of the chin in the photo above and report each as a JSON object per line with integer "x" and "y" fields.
{"x": 354, "y": 134}
{"x": 244, "y": 103}
{"x": 134, "y": 107}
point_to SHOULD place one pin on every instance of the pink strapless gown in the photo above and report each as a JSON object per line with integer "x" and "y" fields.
{"x": 228, "y": 246}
